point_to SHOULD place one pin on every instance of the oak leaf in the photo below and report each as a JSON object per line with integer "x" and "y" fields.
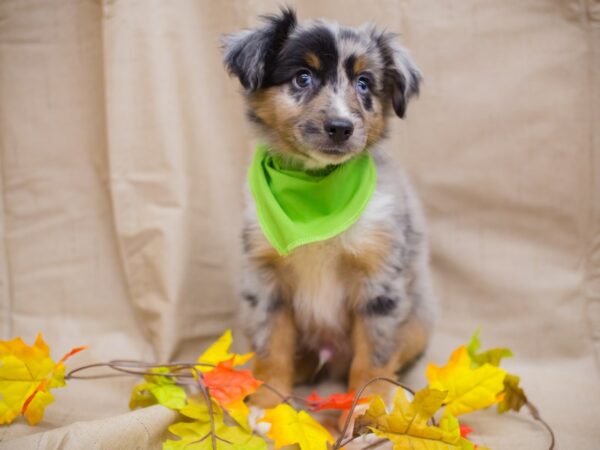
{"x": 219, "y": 352}
{"x": 289, "y": 427}
{"x": 196, "y": 435}
{"x": 468, "y": 388}
{"x": 406, "y": 426}
{"x": 27, "y": 373}
{"x": 158, "y": 389}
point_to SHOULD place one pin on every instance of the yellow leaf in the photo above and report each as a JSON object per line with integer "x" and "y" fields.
{"x": 239, "y": 411}
{"x": 219, "y": 352}
{"x": 468, "y": 388}
{"x": 289, "y": 426}
{"x": 196, "y": 435}
{"x": 406, "y": 426}
{"x": 158, "y": 389}
{"x": 27, "y": 373}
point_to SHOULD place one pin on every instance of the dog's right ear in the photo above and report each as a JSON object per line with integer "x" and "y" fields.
{"x": 250, "y": 54}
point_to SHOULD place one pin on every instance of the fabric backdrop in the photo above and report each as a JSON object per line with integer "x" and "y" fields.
{"x": 123, "y": 150}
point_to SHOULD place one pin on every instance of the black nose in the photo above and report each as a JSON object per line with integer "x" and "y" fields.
{"x": 339, "y": 130}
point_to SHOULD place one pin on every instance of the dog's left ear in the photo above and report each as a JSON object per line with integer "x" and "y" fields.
{"x": 250, "y": 54}
{"x": 401, "y": 75}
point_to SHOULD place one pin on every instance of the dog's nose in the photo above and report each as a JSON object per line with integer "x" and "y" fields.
{"x": 339, "y": 130}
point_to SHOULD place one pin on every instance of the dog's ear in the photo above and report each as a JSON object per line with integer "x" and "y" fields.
{"x": 250, "y": 54}
{"x": 401, "y": 75}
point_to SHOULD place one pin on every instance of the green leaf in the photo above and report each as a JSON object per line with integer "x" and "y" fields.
{"x": 513, "y": 397}
{"x": 493, "y": 356}
{"x": 158, "y": 389}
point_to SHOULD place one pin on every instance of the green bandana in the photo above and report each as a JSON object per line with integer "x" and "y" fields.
{"x": 296, "y": 208}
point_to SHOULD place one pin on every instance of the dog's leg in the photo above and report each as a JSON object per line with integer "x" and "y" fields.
{"x": 374, "y": 357}
{"x": 269, "y": 325}
{"x": 393, "y": 317}
{"x": 275, "y": 366}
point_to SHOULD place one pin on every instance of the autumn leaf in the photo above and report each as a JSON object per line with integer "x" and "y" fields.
{"x": 512, "y": 397}
{"x": 342, "y": 401}
{"x": 468, "y": 389}
{"x": 27, "y": 373}
{"x": 406, "y": 426}
{"x": 465, "y": 430}
{"x": 493, "y": 356}
{"x": 196, "y": 435}
{"x": 158, "y": 389}
{"x": 230, "y": 387}
{"x": 219, "y": 352}
{"x": 289, "y": 426}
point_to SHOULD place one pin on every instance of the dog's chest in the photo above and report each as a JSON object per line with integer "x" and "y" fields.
{"x": 319, "y": 292}
{"x": 324, "y": 280}
{"x": 327, "y": 276}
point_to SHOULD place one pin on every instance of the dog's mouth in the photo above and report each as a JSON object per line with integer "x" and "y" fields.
{"x": 334, "y": 151}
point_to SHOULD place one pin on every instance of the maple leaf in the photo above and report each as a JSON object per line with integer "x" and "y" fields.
{"x": 468, "y": 388}
{"x": 219, "y": 352}
{"x": 342, "y": 401}
{"x": 512, "y": 397}
{"x": 230, "y": 387}
{"x": 158, "y": 389}
{"x": 196, "y": 435}
{"x": 406, "y": 426}
{"x": 493, "y": 356}
{"x": 465, "y": 430}
{"x": 27, "y": 373}
{"x": 289, "y": 426}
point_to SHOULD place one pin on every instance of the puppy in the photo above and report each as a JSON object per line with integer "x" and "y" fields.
{"x": 359, "y": 304}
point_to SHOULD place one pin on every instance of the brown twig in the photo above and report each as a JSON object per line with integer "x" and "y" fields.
{"x": 206, "y": 394}
{"x": 536, "y": 415}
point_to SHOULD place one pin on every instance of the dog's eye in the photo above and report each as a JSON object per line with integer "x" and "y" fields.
{"x": 303, "y": 79}
{"x": 362, "y": 84}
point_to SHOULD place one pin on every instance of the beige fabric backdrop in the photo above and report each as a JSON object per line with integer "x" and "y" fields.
{"x": 123, "y": 148}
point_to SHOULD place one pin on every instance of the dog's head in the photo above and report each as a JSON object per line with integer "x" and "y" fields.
{"x": 320, "y": 92}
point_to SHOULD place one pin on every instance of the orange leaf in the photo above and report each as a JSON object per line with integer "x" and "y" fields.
{"x": 228, "y": 385}
{"x": 342, "y": 401}
{"x": 72, "y": 352}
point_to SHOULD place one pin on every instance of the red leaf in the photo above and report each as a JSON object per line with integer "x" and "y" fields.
{"x": 465, "y": 430}
{"x": 342, "y": 401}
{"x": 228, "y": 385}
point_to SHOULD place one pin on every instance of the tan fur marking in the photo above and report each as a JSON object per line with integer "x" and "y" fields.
{"x": 376, "y": 123}
{"x": 360, "y": 64}
{"x": 371, "y": 256}
{"x": 275, "y": 109}
{"x": 362, "y": 368}
{"x": 412, "y": 340}
{"x": 277, "y": 368}
{"x": 313, "y": 60}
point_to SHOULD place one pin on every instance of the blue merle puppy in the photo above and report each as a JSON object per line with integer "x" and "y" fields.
{"x": 319, "y": 94}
